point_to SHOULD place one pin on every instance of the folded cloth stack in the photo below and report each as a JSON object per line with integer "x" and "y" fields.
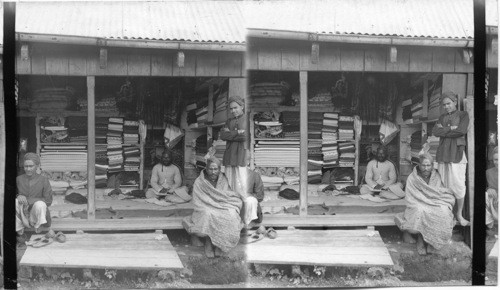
{"x": 329, "y": 139}
{"x": 115, "y": 158}
{"x": 291, "y": 124}
{"x": 132, "y": 158}
{"x": 272, "y": 182}
{"x": 277, "y": 152}
{"x": 202, "y": 116}
{"x": 101, "y": 160}
{"x": 268, "y": 129}
{"x": 131, "y": 132}
{"x": 106, "y": 105}
{"x": 101, "y": 130}
{"x": 346, "y": 128}
{"x": 63, "y": 158}
{"x": 220, "y": 148}
{"x": 220, "y": 108}
{"x": 268, "y": 94}
{"x": 321, "y": 100}
{"x": 347, "y": 153}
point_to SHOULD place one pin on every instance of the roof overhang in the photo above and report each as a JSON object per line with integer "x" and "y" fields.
{"x": 130, "y": 43}
{"x": 360, "y": 39}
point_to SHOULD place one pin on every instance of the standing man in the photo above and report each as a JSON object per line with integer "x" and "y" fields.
{"x": 236, "y": 155}
{"x": 34, "y": 196}
{"x": 451, "y": 129}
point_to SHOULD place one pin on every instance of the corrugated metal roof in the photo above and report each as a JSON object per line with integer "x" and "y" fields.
{"x": 445, "y": 19}
{"x": 195, "y": 21}
{"x": 491, "y": 13}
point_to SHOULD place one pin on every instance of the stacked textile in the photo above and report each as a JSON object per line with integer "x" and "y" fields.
{"x": 433, "y": 142}
{"x": 271, "y": 182}
{"x": 101, "y": 130}
{"x": 106, "y": 105}
{"x": 347, "y": 154}
{"x": 314, "y": 153}
{"x": 330, "y": 139}
{"x": 115, "y": 158}
{"x": 101, "y": 163}
{"x": 202, "y": 116}
{"x": 268, "y": 129}
{"x": 434, "y": 99}
{"x": 346, "y": 128}
{"x": 115, "y": 131}
{"x": 281, "y": 153}
{"x": 130, "y": 132}
{"x": 268, "y": 94}
{"x": 63, "y": 158}
{"x": 290, "y": 175}
{"x": 132, "y": 158}
{"x": 220, "y": 148}
{"x": 220, "y": 108}
{"x": 291, "y": 124}
{"x": 321, "y": 100}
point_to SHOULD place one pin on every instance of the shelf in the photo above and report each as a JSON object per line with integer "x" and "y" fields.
{"x": 64, "y": 144}
{"x": 277, "y": 139}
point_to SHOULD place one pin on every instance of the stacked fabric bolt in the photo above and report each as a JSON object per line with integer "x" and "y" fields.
{"x": 277, "y": 152}
{"x": 434, "y": 99}
{"x": 115, "y": 131}
{"x": 417, "y": 107}
{"x": 271, "y": 182}
{"x": 220, "y": 108}
{"x": 321, "y": 100}
{"x": 291, "y": 124}
{"x": 115, "y": 158}
{"x": 101, "y": 163}
{"x": 63, "y": 158}
{"x": 130, "y": 132}
{"x": 347, "y": 154}
{"x": 314, "y": 155}
{"x": 329, "y": 140}
{"x": 346, "y": 128}
{"x": 107, "y": 105}
{"x": 132, "y": 158}
{"x": 101, "y": 130}
{"x": 314, "y": 125}
{"x": 267, "y": 94}
{"x": 202, "y": 116}
{"x": 220, "y": 148}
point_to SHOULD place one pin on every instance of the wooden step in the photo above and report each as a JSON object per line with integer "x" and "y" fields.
{"x": 170, "y": 223}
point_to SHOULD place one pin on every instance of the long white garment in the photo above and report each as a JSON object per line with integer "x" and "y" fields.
{"x": 453, "y": 176}
{"x": 36, "y": 217}
{"x": 249, "y": 209}
{"x": 237, "y": 178}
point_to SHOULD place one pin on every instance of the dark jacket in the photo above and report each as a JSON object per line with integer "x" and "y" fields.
{"x": 451, "y": 142}
{"x": 236, "y": 144}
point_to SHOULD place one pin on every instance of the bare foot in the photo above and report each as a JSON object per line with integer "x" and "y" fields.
{"x": 431, "y": 249}
{"x": 195, "y": 241}
{"x": 463, "y": 222}
{"x": 421, "y": 246}
{"x": 219, "y": 252}
{"x": 209, "y": 251}
{"x": 38, "y": 230}
{"x": 408, "y": 238}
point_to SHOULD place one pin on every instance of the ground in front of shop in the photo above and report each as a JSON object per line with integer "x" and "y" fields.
{"x": 449, "y": 268}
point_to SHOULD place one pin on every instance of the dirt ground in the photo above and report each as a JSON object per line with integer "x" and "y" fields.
{"x": 450, "y": 268}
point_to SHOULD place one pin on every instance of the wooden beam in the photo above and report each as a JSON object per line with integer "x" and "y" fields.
{"x": 303, "y": 143}
{"x": 91, "y": 148}
{"x": 469, "y": 107}
{"x": 393, "y": 52}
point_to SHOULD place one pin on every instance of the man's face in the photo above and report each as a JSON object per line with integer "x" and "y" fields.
{"x": 29, "y": 167}
{"x": 236, "y": 109}
{"x": 213, "y": 171}
{"x": 426, "y": 167}
{"x": 381, "y": 157}
{"x": 166, "y": 160}
{"x": 449, "y": 105}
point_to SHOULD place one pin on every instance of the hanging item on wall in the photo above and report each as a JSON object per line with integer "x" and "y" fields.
{"x": 387, "y": 132}
{"x": 126, "y": 98}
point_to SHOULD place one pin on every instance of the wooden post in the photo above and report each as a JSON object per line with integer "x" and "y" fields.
{"x": 91, "y": 148}
{"x": 303, "y": 143}
{"x": 2, "y": 170}
{"x": 251, "y": 125}
{"x": 469, "y": 107}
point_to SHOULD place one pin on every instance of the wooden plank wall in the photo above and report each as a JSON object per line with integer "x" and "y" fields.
{"x": 84, "y": 60}
{"x": 295, "y": 56}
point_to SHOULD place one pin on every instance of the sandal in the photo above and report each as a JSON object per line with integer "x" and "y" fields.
{"x": 35, "y": 241}
{"x": 271, "y": 233}
{"x": 50, "y": 234}
{"x": 252, "y": 239}
{"x": 60, "y": 237}
{"x": 44, "y": 242}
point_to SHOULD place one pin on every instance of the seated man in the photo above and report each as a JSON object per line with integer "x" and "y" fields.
{"x": 216, "y": 215}
{"x": 429, "y": 208}
{"x": 166, "y": 180}
{"x": 381, "y": 177}
{"x": 251, "y": 213}
{"x": 34, "y": 196}
{"x": 492, "y": 195}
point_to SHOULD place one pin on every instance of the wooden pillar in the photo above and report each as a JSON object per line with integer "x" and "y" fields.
{"x": 91, "y": 148}
{"x": 303, "y": 143}
{"x": 469, "y": 107}
{"x": 2, "y": 170}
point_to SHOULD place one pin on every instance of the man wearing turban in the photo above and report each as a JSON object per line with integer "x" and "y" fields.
{"x": 34, "y": 196}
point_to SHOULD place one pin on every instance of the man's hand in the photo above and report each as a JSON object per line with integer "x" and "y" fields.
{"x": 241, "y": 131}
{"x": 439, "y": 125}
{"x": 164, "y": 190}
{"x": 22, "y": 199}
{"x": 379, "y": 186}
{"x": 225, "y": 129}
{"x": 453, "y": 127}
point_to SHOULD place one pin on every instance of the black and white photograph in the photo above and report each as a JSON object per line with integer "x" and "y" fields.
{"x": 251, "y": 144}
